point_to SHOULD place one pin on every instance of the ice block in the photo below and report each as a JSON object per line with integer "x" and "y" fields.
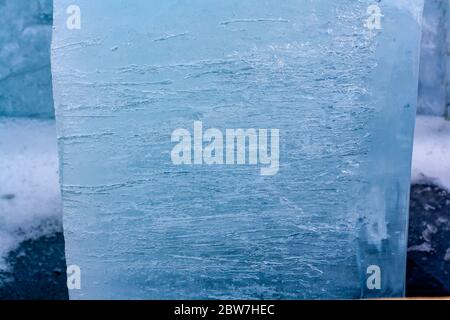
{"x": 25, "y": 75}
{"x": 165, "y": 198}
{"x": 433, "y": 60}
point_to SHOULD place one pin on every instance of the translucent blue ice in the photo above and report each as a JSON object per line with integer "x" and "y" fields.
{"x": 433, "y": 61}
{"x": 25, "y": 76}
{"x": 338, "y": 79}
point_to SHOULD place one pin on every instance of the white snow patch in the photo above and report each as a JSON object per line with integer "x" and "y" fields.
{"x": 424, "y": 247}
{"x": 431, "y": 157}
{"x": 30, "y": 201}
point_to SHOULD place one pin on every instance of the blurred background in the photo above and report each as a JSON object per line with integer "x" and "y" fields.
{"x": 429, "y": 237}
{"x": 32, "y": 263}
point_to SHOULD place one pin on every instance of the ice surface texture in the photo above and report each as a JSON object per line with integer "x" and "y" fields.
{"x": 25, "y": 75}
{"x": 342, "y": 93}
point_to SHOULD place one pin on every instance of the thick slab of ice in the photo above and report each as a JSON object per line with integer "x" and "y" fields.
{"x": 342, "y": 93}
{"x": 25, "y": 76}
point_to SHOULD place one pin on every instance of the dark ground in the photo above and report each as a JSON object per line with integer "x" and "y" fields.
{"x": 428, "y": 272}
{"x": 39, "y": 267}
{"x": 38, "y": 271}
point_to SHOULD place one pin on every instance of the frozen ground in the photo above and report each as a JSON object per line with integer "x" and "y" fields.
{"x": 431, "y": 159}
{"x": 36, "y": 270}
{"x": 429, "y": 245}
{"x": 428, "y": 271}
{"x": 30, "y": 202}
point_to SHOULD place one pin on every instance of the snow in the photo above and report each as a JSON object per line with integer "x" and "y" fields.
{"x": 431, "y": 157}
{"x": 30, "y": 202}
